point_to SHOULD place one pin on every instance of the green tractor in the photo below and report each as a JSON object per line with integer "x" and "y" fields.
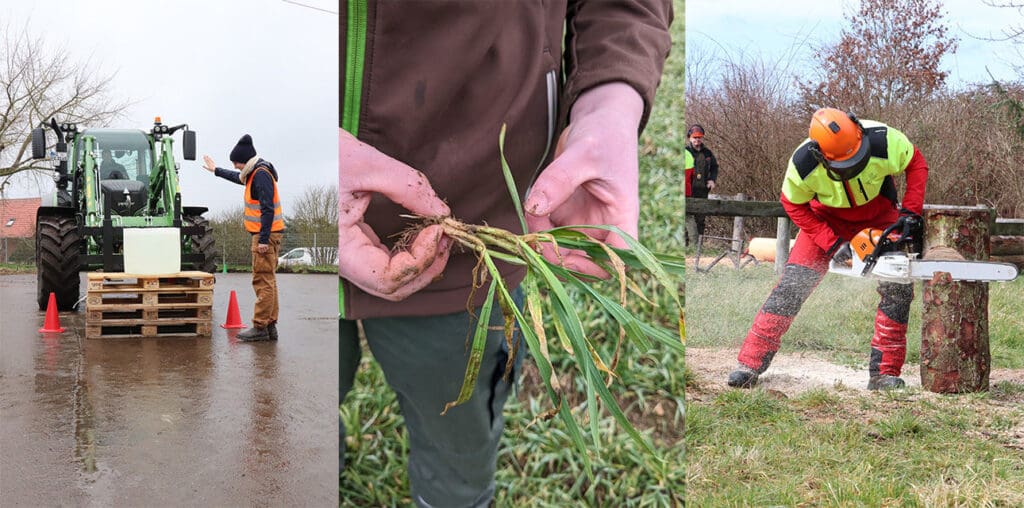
{"x": 108, "y": 180}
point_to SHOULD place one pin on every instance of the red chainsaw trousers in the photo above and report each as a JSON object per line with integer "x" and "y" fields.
{"x": 807, "y": 265}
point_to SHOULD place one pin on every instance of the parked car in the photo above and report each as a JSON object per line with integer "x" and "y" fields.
{"x": 309, "y": 256}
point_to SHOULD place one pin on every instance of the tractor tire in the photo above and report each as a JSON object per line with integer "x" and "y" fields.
{"x": 58, "y": 244}
{"x": 203, "y": 243}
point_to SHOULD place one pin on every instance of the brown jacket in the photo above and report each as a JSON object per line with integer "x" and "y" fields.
{"x": 440, "y": 78}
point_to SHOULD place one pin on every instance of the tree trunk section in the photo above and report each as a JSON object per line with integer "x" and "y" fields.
{"x": 955, "y": 354}
{"x": 782, "y": 234}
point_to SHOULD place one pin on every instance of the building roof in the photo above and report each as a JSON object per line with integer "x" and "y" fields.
{"x": 18, "y": 217}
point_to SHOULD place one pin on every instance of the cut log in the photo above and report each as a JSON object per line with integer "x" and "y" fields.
{"x": 955, "y": 354}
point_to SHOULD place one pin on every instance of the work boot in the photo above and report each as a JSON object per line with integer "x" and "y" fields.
{"x": 254, "y": 334}
{"x": 885, "y": 382}
{"x": 743, "y": 377}
{"x": 272, "y": 330}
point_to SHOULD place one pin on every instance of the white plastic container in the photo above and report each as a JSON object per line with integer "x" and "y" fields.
{"x": 152, "y": 251}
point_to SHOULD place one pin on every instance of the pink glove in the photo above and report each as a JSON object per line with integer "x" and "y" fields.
{"x": 593, "y": 178}
{"x": 365, "y": 261}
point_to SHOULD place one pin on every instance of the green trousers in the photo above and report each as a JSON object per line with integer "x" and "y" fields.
{"x": 452, "y": 458}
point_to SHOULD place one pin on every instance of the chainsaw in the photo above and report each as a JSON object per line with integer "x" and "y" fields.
{"x": 892, "y": 255}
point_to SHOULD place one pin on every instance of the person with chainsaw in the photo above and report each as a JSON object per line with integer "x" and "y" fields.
{"x": 839, "y": 182}
{"x": 704, "y": 177}
{"x": 424, "y": 139}
{"x": 264, "y": 220}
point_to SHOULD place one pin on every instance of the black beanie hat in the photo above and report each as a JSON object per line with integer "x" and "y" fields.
{"x": 243, "y": 151}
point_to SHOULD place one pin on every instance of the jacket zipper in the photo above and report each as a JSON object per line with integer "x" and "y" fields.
{"x": 552, "y": 82}
{"x": 849, "y": 194}
{"x": 353, "y": 92}
{"x": 354, "y": 59}
{"x": 862, "y": 191}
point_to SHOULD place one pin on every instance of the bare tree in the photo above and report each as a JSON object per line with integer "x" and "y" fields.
{"x": 746, "y": 102}
{"x": 313, "y": 219}
{"x": 38, "y": 84}
{"x": 1015, "y": 32}
{"x": 1012, "y": 33}
{"x": 233, "y": 241}
{"x": 889, "y": 54}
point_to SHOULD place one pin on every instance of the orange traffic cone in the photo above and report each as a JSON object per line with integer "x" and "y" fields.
{"x": 234, "y": 317}
{"x": 52, "y": 323}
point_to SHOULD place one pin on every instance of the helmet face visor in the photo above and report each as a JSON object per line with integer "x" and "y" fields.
{"x": 849, "y": 168}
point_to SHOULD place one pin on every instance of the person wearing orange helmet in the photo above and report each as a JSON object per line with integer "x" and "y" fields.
{"x": 703, "y": 179}
{"x": 838, "y": 182}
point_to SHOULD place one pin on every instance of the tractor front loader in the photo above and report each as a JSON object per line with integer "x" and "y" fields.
{"x": 108, "y": 180}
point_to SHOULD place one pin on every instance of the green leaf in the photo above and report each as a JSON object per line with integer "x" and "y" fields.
{"x": 566, "y": 312}
{"x": 509, "y": 181}
{"x": 644, "y": 256}
{"x": 546, "y": 372}
{"x": 476, "y": 353}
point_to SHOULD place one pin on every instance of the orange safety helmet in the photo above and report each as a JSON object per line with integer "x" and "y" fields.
{"x": 839, "y": 143}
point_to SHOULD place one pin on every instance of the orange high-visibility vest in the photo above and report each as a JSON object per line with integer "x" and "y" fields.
{"x": 252, "y": 206}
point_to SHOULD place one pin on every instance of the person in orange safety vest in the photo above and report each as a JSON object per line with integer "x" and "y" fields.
{"x": 265, "y": 222}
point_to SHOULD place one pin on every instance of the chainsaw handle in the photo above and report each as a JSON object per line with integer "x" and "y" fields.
{"x": 910, "y": 229}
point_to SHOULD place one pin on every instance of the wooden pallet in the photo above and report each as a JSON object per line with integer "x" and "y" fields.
{"x": 121, "y": 305}
{"x": 135, "y": 331}
{"x": 100, "y": 282}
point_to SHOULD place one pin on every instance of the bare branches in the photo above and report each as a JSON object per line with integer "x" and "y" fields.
{"x": 315, "y": 216}
{"x": 38, "y": 83}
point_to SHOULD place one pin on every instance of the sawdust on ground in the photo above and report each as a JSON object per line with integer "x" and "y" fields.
{"x": 793, "y": 373}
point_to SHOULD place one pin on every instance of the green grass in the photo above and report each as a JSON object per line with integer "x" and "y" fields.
{"x": 837, "y": 319}
{"x": 848, "y": 447}
{"x": 538, "y": 465}
{"x": 12, "y": 268}
{"x": 822, "y": 448}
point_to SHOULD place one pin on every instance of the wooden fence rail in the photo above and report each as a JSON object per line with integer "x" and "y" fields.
{"x": 1010, "y": 231}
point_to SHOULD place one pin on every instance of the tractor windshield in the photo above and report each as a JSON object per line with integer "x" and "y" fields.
{"x": 121, "y": 154}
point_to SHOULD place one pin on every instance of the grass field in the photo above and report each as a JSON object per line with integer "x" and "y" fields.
{"x": 836, "y": 320}
{"x": 843, "y": 445}
{"x": 538, "y": 465}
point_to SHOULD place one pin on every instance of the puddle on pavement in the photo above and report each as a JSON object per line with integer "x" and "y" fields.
{"x": 208, "y": 420}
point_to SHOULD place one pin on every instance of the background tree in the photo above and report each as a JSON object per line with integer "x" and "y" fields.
{"x": 313, "y": 222}
{"x": 37, "y": 84}
{"x": 233, "y": 241}
{"x": 1014, "y": 32}
{"x": 890, "y": 54}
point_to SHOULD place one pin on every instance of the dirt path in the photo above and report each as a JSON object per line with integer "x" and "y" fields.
{"x": 793, "y": 373}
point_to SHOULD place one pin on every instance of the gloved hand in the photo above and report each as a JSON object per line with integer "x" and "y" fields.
{"x": 913, "y": 222}
{"x": 843, "y": 254}
{"x": 365, "y": 261}
{"x": 594, "y": 176}
{"x": 910, "y": 228}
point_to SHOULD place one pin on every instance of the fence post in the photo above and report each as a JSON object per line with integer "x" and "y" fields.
{"x": 737, "y": 229}
{"x": 782, "y": 233}
{"x": 955, "y": 354}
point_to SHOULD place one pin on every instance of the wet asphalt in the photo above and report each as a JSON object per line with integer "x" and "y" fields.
{"x": 171, "y": 421}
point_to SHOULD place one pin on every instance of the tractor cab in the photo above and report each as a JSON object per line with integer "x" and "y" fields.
{"x": 122, "y": 160}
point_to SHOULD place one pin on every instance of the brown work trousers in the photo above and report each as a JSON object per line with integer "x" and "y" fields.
{"x": 263, "y": 281}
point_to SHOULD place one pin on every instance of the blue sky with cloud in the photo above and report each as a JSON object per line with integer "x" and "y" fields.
{"x": 775, "y": 28}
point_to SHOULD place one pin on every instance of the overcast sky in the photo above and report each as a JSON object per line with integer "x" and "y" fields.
{"x": 773, "y": 27}
{"x": 268, "y": 68}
